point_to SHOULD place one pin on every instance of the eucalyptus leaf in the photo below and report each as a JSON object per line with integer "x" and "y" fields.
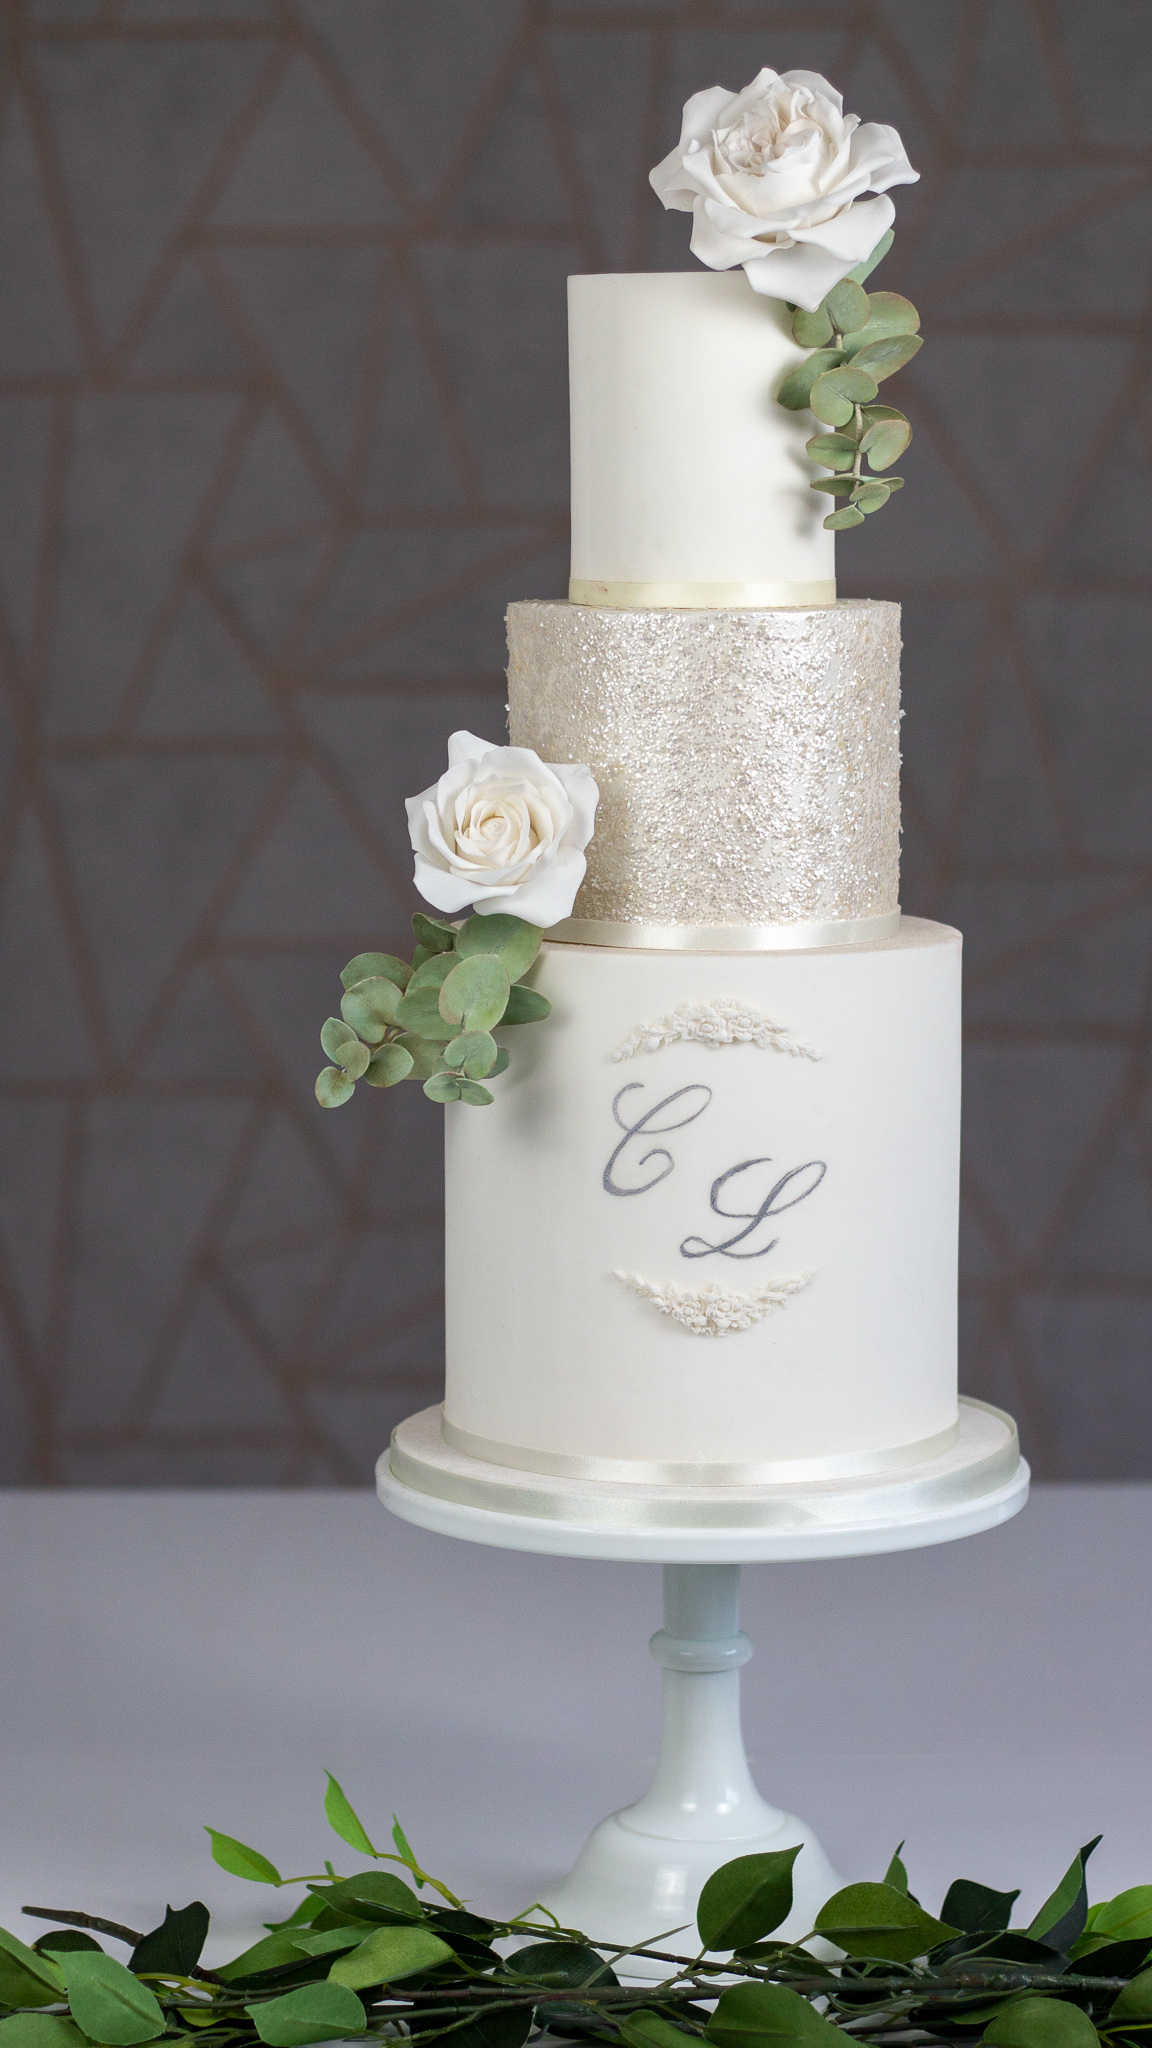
{"x": 475, "y": 1093}
{"x": 812, "y": 330}
{"x": 333, "y": 1087}
{"x": 475, "y": 994}
{"x": 846, "y": 516}
{"x": 109, "y": 2004}
{"x": 746, "y": 1899}
{"x": 316, "y": 2012}
{"x": 514, "y": 942}
{"x": 837, "y": 486}
{"x": 370, "y": 1007}
{"x": 863, "y": 271}
{"x": 176, "y": 1944}
{"x": 241, "y": 1861}
{"x": 342, "y": 1045}
{"x": 526, "y": 1006}
{"x": 835, "y": 451}
{"x": 750, "y": 2015}
{"x": 502, "y": 1062}
{"x": 830, "y": 405}
{"x": 423, "y": 1052}
{"x": 873, "y": 415}
{"x": 341, "y": 1819}
{"x": 848, "y": 305}
{"x": 434, "y": 932}
{"x": 796, "y": 390}
{"x": 1040, "y": 2023}
{"x": 888, "y": 314}
{"x": 442, "y": 1088}
{"x": 368, "y": 965}
{"x": 877, "y": 1920}
{"x": 433, "y": 973}
{"x": 391, "y": 1064}
{"x": 850, "y": 381}
{"x": 419, "y": 1012}
{"x": 870, "y": 497}
{"x": 882, "y": 358}
{"x": 885, "y": 443}
{"x": 473, "y": 1053}
{"x": 389, "y": 1953}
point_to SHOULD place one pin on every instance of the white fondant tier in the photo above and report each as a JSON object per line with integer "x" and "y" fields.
{"x": 689, "y": 482}
{"x": 706, "y": 1234}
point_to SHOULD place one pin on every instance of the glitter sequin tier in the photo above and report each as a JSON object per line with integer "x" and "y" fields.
{"x": 748, "y": 761}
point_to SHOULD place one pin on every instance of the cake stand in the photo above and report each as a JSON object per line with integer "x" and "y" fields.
{"x": 641, "y": 1871}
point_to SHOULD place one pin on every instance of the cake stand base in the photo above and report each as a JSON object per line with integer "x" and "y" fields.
{"x": 640, "y": 1874}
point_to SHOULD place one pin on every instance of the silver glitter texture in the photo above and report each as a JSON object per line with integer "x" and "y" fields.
{"x": 748, "y": 761}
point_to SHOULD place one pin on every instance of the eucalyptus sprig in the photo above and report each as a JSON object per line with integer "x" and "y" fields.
{"x": 858, "y": 339}
{"x": 364, "y": 1956}
{"x": 431, "y": 1019}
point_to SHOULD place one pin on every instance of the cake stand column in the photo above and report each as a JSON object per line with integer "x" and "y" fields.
{"x": 642, "y": 1870}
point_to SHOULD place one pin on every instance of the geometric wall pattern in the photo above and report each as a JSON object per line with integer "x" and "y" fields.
{"x": 282, "y": 430}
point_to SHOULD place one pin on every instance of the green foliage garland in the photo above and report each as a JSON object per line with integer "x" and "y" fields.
{"x": 857, "y": 339}
{"x": 431, "y": 1019}
{"x": 366, "y": 1956}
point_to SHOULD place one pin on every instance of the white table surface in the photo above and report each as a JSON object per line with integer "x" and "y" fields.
{"x": 171, "y": 1659}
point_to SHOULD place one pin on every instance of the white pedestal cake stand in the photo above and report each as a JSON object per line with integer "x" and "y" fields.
{"x": 641, "y": 1871}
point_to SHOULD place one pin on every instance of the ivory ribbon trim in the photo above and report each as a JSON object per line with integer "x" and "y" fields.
{"x": 984, "y": 1459}
{"x": 678, "y": 1472}
{"x": 700, "y": 597}
{"x": 725, "y": 938}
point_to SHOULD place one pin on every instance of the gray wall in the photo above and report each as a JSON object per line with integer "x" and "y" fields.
{"x": 283, "y": 418}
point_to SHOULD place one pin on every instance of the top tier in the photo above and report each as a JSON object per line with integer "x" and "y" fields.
{"x": 689, "y": 482}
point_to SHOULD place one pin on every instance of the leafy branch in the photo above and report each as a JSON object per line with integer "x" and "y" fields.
{"x": 364, "y": 1956}
{"x": 431, "y": 1019}
{"x": 858, "y": 339}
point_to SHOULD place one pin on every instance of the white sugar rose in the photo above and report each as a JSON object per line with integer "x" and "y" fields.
{"x": 502, "y": 830}
{"x": 774, "y": 176}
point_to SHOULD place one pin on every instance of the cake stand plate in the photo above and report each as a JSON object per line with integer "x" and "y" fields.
{"x": 640, "y": 1873}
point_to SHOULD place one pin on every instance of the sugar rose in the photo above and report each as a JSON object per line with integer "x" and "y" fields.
{"x": 502, "y": 830}
{"x": 773, "y": 177}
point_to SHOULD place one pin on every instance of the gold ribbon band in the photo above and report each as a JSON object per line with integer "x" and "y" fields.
{"x": 726, "y": 938}
{"x": 984, "y": 1458}
{"x": 676, "y": 1472}
{"x": 700, "y": 597}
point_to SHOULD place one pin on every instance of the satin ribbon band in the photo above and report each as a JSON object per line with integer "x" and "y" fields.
{"x": 985, "y": 1457}
{"x": 700, "y": 597}
{"x": 675, "y": 1472}
{"x": 725, "y": 938}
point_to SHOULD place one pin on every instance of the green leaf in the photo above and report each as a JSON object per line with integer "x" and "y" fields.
{"x": 526, "y": 1006}
{"x": 878, "y": 1920}
{"x": 370, "y": 1006}
{"x": 837, "y": 486}
{"x": 475, "y": 994}
{"x": 343, "y": 1821}
{"x": 442, "y": 1088}
{"x": 863, "y": 271}
{"x": 27, "y": 1978}
{"x": 514, "y": 942}
{"x": 796, "y": 390}
{"x": 1127, "y": 1917}
{"x": 976, "y": 1909}
{"x": 881, "y": 358}
{"x": 423, "y": 1052}
{"x": 406, "y": 1850}
{"x": 562, "y": 1965}
{"x": 434, "y": 932}
{"x": 1062, "y": 1917}
{"x": 503, "y": 1060}
{"x": 888, "y": 314}
{"x": 873, "y": 414}
{"x": 897, "y": 1876}
{"x": 391, "y": 1064}
{"x": 176, "y": 1944}
{"x": 419, "y": 1012}
{"x": 885, "y": 443}
{"x": 812, "y": 330}
{"x": 333, "y": 1087}
{"x": 433, "y": 973}
{"x": 1041, "y": 2023}
{"x": 835, "y": 451}
{"x": 474, "y": 1053}
{"x": 1135, "y": 2001}
{"x": 59, "y": 1940}
{"x": 329, "y": 1941}
{"x": 751, "y": 2014}
{"x": 870, "y": 497}
{"x": 367, "y": 965}
{"x": 388, "y": 1954}
{"x": 830, "y": 405}
{"x": 371, "y": 1895}
{"x": 847, "y": 305}
{"x": 846, "y": 516}
{"x": 476, "y": 1093}
{"x": 109, "y": 2004}
{"x": 316, "y": 2012}
{"x": 419, "y": 955}
{"x": 241, "y": 1861}
{"x": 271, "y": 1952}
{"x": 644, "y": 2029}
{"x": 746, "y": 1899}
{"x": 40, "y": 2030}
{"x": 849, "y": 382}
{"x": 342, "y": 1045}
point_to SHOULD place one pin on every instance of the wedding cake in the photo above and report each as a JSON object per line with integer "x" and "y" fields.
{"x": 702, "y": 1243}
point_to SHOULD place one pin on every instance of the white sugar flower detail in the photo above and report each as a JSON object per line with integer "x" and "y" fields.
{"x": 775, "y": 176}
{"x": 503, "y": 830}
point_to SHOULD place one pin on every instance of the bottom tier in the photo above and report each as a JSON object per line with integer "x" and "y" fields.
{"x": 707, "y": 1233}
